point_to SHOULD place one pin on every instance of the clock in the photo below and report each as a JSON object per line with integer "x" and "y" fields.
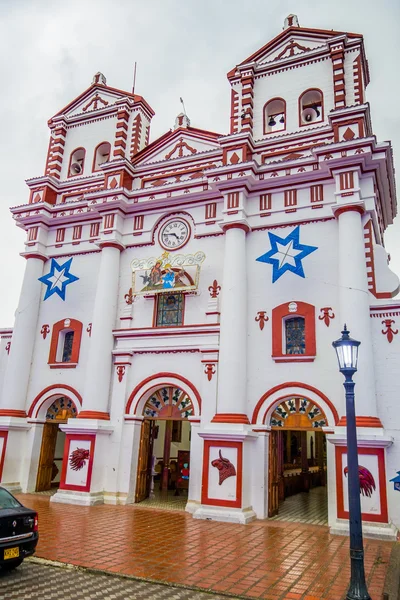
{"x": 174, "y": 234}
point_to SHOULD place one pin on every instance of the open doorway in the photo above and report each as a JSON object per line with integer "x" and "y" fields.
{"x": 297, "y": 463}
{"x": 164, "y": 453}
{"x": 52, "y": 447}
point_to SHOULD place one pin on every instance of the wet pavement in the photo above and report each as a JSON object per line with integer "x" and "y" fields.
{"x": 273, "y": 560}
{"x": 32, "y": 581}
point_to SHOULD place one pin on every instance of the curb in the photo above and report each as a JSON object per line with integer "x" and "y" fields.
{"x": 91, "y": 570}
{"x": 391, "y": 588}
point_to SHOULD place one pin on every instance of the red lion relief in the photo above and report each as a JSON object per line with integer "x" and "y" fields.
{"x": 224, "y": 466}
{"x": 367, "y": 482}
{"x": 78, "y": 458}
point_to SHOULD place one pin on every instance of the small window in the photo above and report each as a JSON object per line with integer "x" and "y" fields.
{"x": 67, "y": 343}
{"x": 169, "y": 310}
{"x": 101, "y": 155}
{"x": 311, "y": 107}
{"x": 275, "y": 115}
{"x": 295, "y": 335}
{"x": 76, "y": 162}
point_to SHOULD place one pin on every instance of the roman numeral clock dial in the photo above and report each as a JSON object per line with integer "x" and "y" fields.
{"x": 174, "y": 234}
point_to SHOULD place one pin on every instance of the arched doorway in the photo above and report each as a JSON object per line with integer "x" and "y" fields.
{"x": 297, "y": 461}
{"x": 52, "y": 447}
{"x": 164, "y": 452}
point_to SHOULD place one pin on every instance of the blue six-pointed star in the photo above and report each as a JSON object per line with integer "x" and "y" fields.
{"x": 286, "y": 254}
{"x": 58, "y": 279}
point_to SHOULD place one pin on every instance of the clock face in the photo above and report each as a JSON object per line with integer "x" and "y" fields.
{"x": 174, "y": 234}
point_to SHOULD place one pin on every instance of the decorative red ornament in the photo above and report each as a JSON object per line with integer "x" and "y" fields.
{"x": 120, "y": 372}
{"x": 45, "y": 330}
{"x": 261, "y": 318}
{"x": 89, "y": 329}
{"x": 327, "y": 315}
{"x": 129, "y": 297}
{"x": 214, "y": 289}
{"x": 367, "y": 481}
{"x": 209, "y": 371}
{"x": 389, "y": 331}
{"x": 7, "y": 348}
{"x": 78, "y": 458}
{"x": 225, "y": 467}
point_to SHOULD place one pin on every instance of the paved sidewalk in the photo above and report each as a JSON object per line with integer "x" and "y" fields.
{"x": 34, "y": 581}
{"x": 264, "y": 559}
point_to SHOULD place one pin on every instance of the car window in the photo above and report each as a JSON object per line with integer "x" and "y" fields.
{"x": 8, "y": 501}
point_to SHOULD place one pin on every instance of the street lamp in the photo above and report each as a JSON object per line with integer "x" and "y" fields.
{"x": 347, "y": 354}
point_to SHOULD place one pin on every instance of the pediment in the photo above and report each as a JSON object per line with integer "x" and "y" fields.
{"x": 289, "y": 48}
{"x": 94, "y": 98}
{"x": 181, "y": 143}
{"x": 291, "y": 42}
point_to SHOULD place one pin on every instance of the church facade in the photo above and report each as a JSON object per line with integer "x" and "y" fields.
{"x": 180, "y": 298}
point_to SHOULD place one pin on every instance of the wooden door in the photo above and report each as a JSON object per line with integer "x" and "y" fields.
{"x": 144, "y": 462}
{"x": 273, "y": 475}
{"x": 49, "y": 439}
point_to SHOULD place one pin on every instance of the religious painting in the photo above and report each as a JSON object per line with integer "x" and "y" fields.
{"x": 178, "y": 272}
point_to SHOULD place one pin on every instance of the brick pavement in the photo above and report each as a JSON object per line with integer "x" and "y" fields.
{"x": 264, "y": 559}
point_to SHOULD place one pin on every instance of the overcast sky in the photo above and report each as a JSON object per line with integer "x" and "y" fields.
{"x": 51, "y": 49}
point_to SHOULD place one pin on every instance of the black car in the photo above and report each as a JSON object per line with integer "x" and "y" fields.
{"x": 18, "y": 531}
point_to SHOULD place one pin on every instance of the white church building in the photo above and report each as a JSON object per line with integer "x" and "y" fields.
{"x": 174, "y": 332}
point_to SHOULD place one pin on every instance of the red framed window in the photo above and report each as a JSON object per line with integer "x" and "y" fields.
{"x": 293, "y": 332}
{"x": 65, "y": 344}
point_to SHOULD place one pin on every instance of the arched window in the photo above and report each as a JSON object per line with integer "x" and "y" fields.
{"x": 275, "y": 115}
{"x": 65, "y": 344}
{"x": 311, "y": 107}
{"x": 295, "y": 339}
{"x": 101, "y": 155}
{"x": 293, "y": 332}
{"x": 76, "y": 162}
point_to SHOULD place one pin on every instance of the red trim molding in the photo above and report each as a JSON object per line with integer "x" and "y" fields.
{"x": 290, "y": 384}
{"x": 231, "y": 418}
{"x": 34, "y": 255}
{"x": 344, "y": 209}
{"x": 94, "y": 414}
{"x": 362, "y": 422}
{"x": 116, "y": 245}
{"x": 245, "y": 228}
{"x": 381, "y": 517}
{"x": 44, "y": 394}
{"x": 5, "y": 412}
{"x": 205, "y": 499}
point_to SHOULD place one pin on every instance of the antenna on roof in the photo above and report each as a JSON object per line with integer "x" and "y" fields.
{"x": 183, "y": 104}
{"x": 134, "y": 78}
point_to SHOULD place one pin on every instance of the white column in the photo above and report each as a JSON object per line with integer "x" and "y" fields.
{"x": 15, "y": 387}
{"x": 233, "y": 334}
{"x": 100, "y": 363}
{"x": 354, "y": 304}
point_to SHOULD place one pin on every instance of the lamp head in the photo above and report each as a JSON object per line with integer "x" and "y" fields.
{"x": 346, "y": 352}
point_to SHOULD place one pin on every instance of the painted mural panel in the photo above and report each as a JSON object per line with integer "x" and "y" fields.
{"x": 180, "y": 272}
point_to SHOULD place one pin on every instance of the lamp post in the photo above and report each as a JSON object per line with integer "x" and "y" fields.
{"x": 347, "y": 354}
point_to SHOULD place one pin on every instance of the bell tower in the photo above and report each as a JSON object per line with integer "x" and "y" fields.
{"x": 99, "y": 128}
